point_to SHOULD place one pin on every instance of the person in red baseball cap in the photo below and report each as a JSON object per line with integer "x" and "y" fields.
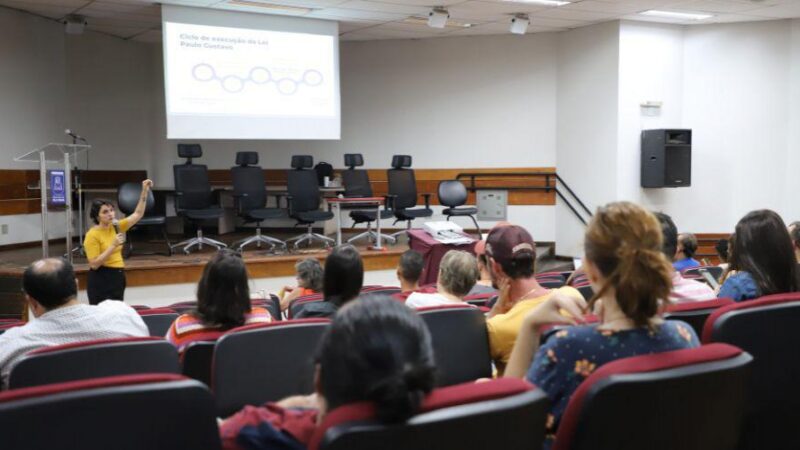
{"x": 511, "y": 253}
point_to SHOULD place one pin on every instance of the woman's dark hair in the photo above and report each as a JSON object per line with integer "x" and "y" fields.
{"x": 377, "y": 350}
{"x": 624, "y": 241}
{"x": 223, "y": 294}
{"x": 722, "y": 249}
{"x": 763, "y": 248}
{"x": 97, "y": 204}
{"x": 344, "y": 275}
{"x": 689, "y": 243}
{"x": 309, "y": 272}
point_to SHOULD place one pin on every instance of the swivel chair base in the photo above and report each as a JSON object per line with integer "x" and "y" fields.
{"x": 310, "y": 236}
{"x": 397, "y": 234}
{"x": 199, "y": 241}
{"x": 373, "y": 236}
{"x": 259, "y": 239}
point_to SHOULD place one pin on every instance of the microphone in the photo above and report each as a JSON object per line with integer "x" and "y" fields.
{"x": 115, "y": 223}
{"x": 69, "y": 132}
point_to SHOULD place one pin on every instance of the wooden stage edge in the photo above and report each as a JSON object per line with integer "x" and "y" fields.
{"x": 162, "y": 270}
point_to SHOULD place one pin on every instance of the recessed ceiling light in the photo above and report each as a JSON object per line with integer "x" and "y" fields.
{"x": 424, "y": 21}
{"x": 271, "y": 6}
{"x": 676, "y": 15}
{"x": 542, "y": 2}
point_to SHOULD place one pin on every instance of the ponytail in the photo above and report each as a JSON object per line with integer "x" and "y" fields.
{"x": 624, "y": 241}
{"x": 399, "y": 396}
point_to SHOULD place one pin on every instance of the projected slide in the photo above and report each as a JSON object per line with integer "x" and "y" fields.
{"x": 234, "y": 71}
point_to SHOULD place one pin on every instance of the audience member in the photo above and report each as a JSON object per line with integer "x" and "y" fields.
{"x": 762, "y": 258}
{"x": 630, "y": 275}
{"x": 375, "y": 350}
{"x": 794, "y": 233}
{"x": 484, "y": 283}
{"x": 458, "y": 272}
{"x": 683, "y": 289}
{"x": 309, "y": 281}
{"x": 51, "y": 291}
{"x": 722, "y": 251}
{"x": 344, "y": 276}
{"x": 223, "y": 302}
{"x": 684, "y": 256}
{"x": 512, "y": 258}
{"x": 409, "y": 270}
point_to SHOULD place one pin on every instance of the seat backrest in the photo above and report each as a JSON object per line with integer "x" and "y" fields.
{"x": 356, "y": 181}
{"x": 695, "y": 313}
{"x": 323, "y": 169}
{"x": 254, "y": 364}
{"x": 767, "y": 329}
{"x": 134, "y": 412}
{"x": 301, "y": 184}
{"x": 128, "y": 197}
{"x": 92, "y": 359}
{"x": 402, "y": 182}
{"x": 297, "y": 305}
{"x": 690, "y": 399}
{"x": 452, "y": 193}
{"x": 197, "y": 359}
{"x": 248, "y": 182}
{"x": 191, "y": 180}
{"x": 460, "y": 343}
{"x": 158, "y": 321}
{"x": 505, "y": 413}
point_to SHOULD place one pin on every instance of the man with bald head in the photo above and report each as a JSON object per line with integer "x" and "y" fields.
{"x": 51, "y": 291}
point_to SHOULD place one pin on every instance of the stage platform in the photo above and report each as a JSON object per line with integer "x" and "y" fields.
{"x": 159, "y": 269}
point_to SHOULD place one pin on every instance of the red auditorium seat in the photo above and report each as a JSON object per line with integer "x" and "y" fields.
{"x": 132, "y": 412}
{"x": 300, "y": 303}
{"x": 92, "y": 359}
{"x": 766, "y": 328}
{"x": 158, "y": 320}
{"x": 460, "y": 343}
{"x": 8, "y": 325}
{"x": 695, "y": 313}
{"x": 257, "y": 363}
{"x": 505, "y": 413}
{"x": 691, "y": 399}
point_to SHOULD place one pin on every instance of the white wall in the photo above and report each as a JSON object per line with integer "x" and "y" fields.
{"x": 456, "y": 102}
{"x": 791, "y": 206}
{"x": 587, "y": 124}
{"x": 732, "y": 84}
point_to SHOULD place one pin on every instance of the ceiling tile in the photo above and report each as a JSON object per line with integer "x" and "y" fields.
{"x": 715, "y": 6}
{"x": 788, "y": 10}
{"x": 363, "y": 5}
{"x": 150, "y": 37}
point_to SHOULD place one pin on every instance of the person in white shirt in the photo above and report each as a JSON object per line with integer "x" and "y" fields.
{"x": 51, "y": 291}
{"x": 458, "y": 273}
{"x": 683, "y": 290}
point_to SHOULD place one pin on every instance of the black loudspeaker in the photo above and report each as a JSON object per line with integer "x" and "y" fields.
{"x": 666, "y": 158}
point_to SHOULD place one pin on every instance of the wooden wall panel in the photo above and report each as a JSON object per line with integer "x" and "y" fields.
{"x": 19, "y": 195}
{"x": 428, "y": 182}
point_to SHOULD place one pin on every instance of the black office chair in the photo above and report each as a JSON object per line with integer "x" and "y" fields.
{"x": 304, "y": 200}
{"x": 356, "y": 184}
{"x": 250, "y": 197}
{"x": 403, "y": 193}
{"x": 194, "y": 199}
{"x": 453, "y": 194}
{"x": 127, "y": 198}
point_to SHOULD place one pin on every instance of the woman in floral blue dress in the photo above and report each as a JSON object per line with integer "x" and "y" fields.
{"x": 630, "y": 276}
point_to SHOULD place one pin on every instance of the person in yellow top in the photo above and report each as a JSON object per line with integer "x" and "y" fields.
{"x": 103, "y": 246}
{"x": 512, "y": 259}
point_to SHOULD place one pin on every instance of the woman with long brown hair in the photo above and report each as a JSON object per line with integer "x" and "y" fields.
{"x": 632, "y": 281}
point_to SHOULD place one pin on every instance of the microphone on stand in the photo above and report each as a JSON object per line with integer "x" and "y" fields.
{"x": 77, "y": 137}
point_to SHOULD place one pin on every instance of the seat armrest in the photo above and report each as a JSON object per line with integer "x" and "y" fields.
{"x": 289, "y": 203}
{"x": 389, "y": 204}
{"x": 427, "y": 198}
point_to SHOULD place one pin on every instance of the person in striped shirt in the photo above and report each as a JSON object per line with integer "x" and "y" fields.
{"x": 223, "y": 302}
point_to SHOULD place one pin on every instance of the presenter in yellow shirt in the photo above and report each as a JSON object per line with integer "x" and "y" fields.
{"x": 103, "y": 246}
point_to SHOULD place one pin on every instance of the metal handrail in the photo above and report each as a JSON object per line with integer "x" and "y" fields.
{"x": 547, "y": 187}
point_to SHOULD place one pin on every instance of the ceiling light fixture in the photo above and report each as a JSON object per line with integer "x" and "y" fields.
{"x": 417, "y": 20}
{"x": 271, "y": 7}
{"x": 519, "y": 24}
{"x": 541, "y": 2}
{"x": 437, "y": 18}
{"x": 676, "y": 15}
